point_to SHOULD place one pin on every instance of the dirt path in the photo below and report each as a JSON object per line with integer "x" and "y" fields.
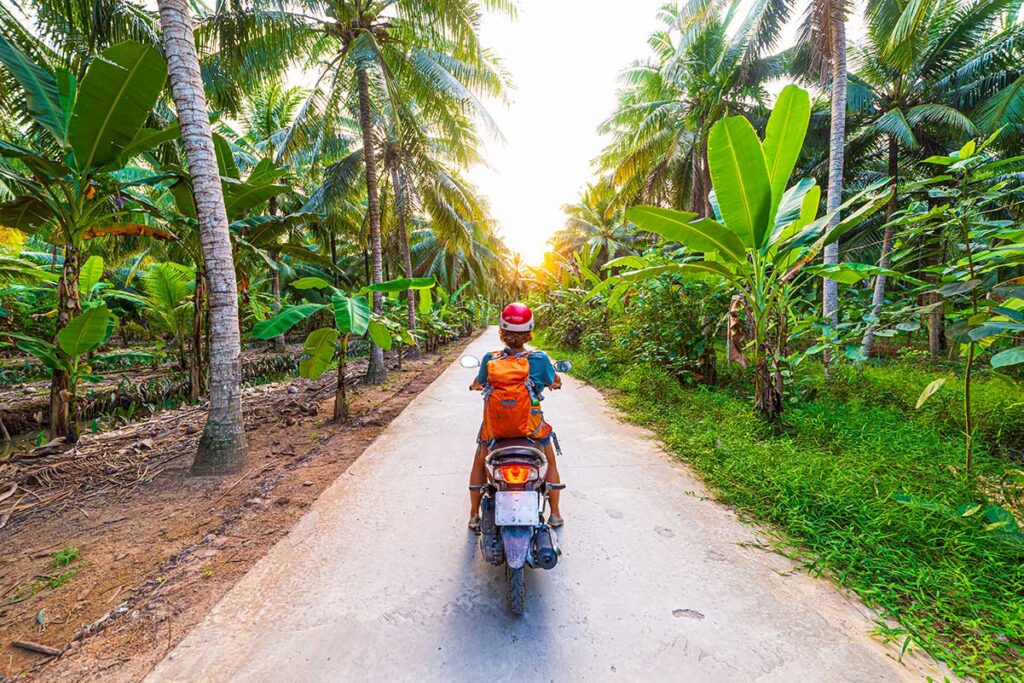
{"x": 156, "y": 549}
{"x": 381, "y": 580}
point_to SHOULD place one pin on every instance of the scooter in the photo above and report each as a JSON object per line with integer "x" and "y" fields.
{"x": 513, "y": 532}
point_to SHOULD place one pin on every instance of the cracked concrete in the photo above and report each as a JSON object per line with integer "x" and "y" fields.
{"x": 381, "y": 581}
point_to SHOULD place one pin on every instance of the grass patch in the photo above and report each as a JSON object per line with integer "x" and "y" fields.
{"x": 954, "y": 584}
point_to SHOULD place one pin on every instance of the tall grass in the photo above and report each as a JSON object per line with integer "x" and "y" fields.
{"x": 828, "y": 485}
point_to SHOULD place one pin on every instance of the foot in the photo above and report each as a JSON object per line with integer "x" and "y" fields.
{"x": 474, "y": 524}
{"x": 555, "y": 521}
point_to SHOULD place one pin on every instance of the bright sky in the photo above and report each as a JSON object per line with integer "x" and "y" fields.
{"x": 564, "y": 57}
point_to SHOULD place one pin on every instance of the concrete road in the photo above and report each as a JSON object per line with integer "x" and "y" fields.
{"x": 381, "y": 581}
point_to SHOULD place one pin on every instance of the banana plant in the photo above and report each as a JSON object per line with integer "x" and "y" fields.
{"x": 352, "y": 316}
{"x": 68, "y": 189}
{"x": 765, "y": 235}
{"x": 82, "y": 335}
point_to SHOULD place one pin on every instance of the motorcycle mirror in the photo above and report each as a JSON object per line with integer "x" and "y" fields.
{"x": 469, "y": 362}
{"x": 563, "y": 365}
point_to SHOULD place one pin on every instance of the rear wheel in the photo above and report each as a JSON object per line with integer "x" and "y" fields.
{"x": 516, "y": 579}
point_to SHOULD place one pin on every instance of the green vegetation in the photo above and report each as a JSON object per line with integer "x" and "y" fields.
{"x": 871, "y": 415}
{"x": 830, "y": 485}
{"x": 352, "y": 180}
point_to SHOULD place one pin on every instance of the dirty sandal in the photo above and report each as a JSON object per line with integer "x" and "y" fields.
{"x": 554, "y": 521}
{"x": 474, "y": 524}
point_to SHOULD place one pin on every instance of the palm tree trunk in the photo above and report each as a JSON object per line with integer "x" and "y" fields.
{"x": 334, "y": 259}
{"x": 222, "y": 448}
{"x": 275, "y": 280}
{"x": 878, "y": 295}
{"x": 375, "y": 369}
{"x": 837, "y": 141}
{"x": 696, "y": 182}
{"x": 195, "y": 360}
{"x": 398, "y": 178}
{"x": 69, "y": 305}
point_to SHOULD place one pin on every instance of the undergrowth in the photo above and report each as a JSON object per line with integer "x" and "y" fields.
{"x": 829, "y": 485}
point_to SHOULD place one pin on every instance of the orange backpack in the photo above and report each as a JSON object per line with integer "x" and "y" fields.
{"x": 509, "y": 410}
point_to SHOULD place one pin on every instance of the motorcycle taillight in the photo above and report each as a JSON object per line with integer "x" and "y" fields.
{"x": 515, "y": 474}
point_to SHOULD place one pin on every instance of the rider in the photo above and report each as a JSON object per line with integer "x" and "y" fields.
{"x": 516, "y": 330}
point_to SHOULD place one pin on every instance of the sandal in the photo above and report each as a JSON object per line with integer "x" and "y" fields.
{"x": 555, "y": 521}
{"x": 474, "y": 524}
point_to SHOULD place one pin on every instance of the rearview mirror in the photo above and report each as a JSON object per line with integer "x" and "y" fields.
{"x": 563, "y": 365}
{"x": 469, "y": 362}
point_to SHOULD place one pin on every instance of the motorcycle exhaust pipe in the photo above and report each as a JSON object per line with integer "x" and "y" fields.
{"x": 547, "y": 552}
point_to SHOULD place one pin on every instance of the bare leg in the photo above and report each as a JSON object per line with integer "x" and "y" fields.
{"x": 552, "y": 478}
{"x": 477, "y": 476}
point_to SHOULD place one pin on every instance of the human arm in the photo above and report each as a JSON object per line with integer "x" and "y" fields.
{"x": 481, "y": 375}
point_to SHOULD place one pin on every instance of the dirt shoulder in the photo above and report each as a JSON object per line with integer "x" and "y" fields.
{"x": 117, "y": 572}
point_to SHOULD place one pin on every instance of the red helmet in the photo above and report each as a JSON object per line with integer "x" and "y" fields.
{"x": 517, "y": 317}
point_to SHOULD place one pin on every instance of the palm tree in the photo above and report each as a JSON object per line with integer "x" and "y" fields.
{"x": 268, "y": 114}
{"x": 222, "y": 448}
{"x": 924, "y": 70}
{"x": 594, "y": 226}
{"x": 402, "y": 50}
{"x": 824, "y": 34}
{"x": 703, "y": 70}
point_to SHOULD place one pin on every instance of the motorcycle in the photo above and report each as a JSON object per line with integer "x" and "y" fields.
{"x": 513, "y": 530}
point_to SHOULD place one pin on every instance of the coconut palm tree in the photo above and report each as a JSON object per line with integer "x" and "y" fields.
{"x": 929, "y": 74}
{"x": 707, "y": 64}
{"x": 824, "y": 35}
{"x": 403, "y": 49}
{"x": 222, "y": 447}
{"x": 592, "y": 225}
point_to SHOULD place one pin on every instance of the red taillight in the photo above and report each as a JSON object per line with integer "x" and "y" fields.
{"x": 515, "y": 474}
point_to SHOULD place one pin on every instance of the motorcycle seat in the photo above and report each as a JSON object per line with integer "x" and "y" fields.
{"x": 516, "y": 447}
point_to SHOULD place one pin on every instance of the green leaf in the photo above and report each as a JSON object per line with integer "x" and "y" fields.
{"x": 305, "y": 255}
{"x": 40, "y": 88}
{"x": 90, "y": 274}
{"x": 1008, "y": 357}
{"x": 458, "y": 292}
{"x": 928, "y": 391}
{"x": 225, "y": 158}
{"x": 850, "y": 273}
{"x": 241, "y": 197}
{"x": 911, "y": 326}
{"x": 148, "y": 138}
{"x": 403, "y": 284}
{"x": 264, "y": 172}
{"x": 426, "y": 301}
{"x": 991, "y": 329}
{"x": 183, "y": 199}
{"x": 311, "y": 282}
{"x": 784, "y": 138}
{"x": 284, "y": 321}
{"x": 380, "y": 335}
{"x": 702, "y": 235}
{"x": 693, "y": 267}
{"x": 855, "y": 353}
{"x": 740, "y": 177}
{"x": 351, "y": 313}
{"x": 319, "y": 347}
{"x": 41, "y": 349}
{"x": 84, "y": 332}
{"x": 115, "y": 97}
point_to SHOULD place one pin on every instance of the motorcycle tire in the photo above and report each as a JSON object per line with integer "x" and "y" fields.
{"x": 516, "y": 579}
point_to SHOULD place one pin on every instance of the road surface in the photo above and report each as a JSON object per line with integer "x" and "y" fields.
{"x": 381, "y": 581}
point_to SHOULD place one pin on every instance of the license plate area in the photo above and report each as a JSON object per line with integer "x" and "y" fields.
{"x": 516, "y": 508}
